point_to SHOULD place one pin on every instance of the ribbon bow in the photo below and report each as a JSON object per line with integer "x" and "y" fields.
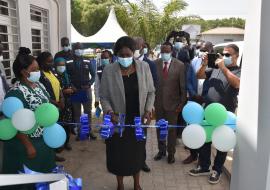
{"x": 163, "y": 129}
{"x": 85, "y": 128}
{"x": 107, "y": 129}
{"x": 138, "y": 129}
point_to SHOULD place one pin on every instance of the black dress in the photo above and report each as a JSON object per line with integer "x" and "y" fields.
{"x": 125, "y": 155}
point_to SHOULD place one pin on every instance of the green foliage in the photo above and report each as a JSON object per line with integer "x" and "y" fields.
{"x": 140, "y": 19}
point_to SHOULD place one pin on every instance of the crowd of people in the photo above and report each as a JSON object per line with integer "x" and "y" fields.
{"x": 127, "y": 81}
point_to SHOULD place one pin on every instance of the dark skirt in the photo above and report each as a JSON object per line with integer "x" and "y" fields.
{"x": 125, "y": 155}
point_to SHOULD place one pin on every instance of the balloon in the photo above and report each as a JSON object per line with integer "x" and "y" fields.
{"x": 29, "y": 132}
{"x": 205, "y": 124}
{"x": 193, "y": 113}
{"x": 231, "y": 120}
{"x": 23, "y": 119}
{"x": 194, "y": 136}
{"x": 7, "y": 131}
{"x": 224, "y": 138}
{"x": 215, "y": 114}
{"x": 46, "y": 114}
{"x": 10, "y": 105}
{"x": 54, "y": 136}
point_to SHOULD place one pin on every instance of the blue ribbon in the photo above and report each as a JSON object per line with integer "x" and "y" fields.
{"x": 163, "y": 129}
{"x": 74, "y": 183}
{"x": 138, "y": 129}
{"x": 84, "y": 129}
{"x": 121, "y": 124}
{"x": 107, "y": 129}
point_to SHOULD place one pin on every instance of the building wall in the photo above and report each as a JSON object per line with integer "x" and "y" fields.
{"x": 56, "y": 24}
{"x": 216, "y": 39}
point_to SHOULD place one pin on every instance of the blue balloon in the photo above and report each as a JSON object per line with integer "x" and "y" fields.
{"x": 54, "y": 136}
{"x": 231, "y": 120}
{"x": 193, "y": 113}
{"x": 10, "y": 105}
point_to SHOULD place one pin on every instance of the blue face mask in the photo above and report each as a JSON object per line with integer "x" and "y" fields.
{"x": 178, "y": 45}
{"x": 105, "y": 61}
{"x": 34, "y": 76}
{"x": 61, "y": 69}
{"x": 227, "y": 60}
{"x": 166, "y": 56}
{"x": 125, "y": 62}
{"x": 66, "y": 48}
{"x": 78, "y": 52}
{"x": 145, "y": 50}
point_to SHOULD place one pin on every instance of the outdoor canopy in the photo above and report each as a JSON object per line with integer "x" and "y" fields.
{"x": 109, "y": 33}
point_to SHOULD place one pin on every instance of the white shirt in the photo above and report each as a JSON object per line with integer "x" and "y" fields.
{"x": 2, "y": 93}
{"x": 168, "y": 65}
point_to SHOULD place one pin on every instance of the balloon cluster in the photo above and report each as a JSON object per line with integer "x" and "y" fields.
{"x": 218, "y": 126}
{"x": 26, "y": 121}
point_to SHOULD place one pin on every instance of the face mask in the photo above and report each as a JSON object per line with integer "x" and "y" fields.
{"x": 1, "y": 58}
{"x": 171, "y": 40}
{"x": 165, "y": 56}
{"x": 145, "y": 50}
{"x": 34, "y": 76}
{"x": 61, "y": 69}
{"x": 66, "y": 48}
{"x": 178, "y": 45}
{"x": 78, "y": 52}
{"x": 200, "y": 54}
{"x": 105, "y": 61}
{"x": 227, "y": 60}
{"x": 125, "y": 62}
{"x": 197, "y": 52}
{"x": 137, "y": 54}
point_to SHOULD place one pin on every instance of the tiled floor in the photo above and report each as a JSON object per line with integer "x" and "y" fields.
{"x": 88, "y": 160}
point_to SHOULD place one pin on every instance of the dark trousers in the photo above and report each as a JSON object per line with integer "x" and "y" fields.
{"x": 205, "y": 158}
{"x": 68, "y": 131}
{"x": 171, "y": 117}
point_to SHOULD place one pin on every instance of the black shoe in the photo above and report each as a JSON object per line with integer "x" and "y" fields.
{"x": 92, "y": 136}
{"x": 159, "y": 156}
{"x": 145, "y": 168}
{"x": 171, "y": 159}
{"x": 59, "y": 159}
{"x": 68, "y": 147}
{"x": 189, "y": 160}
{"x": 199, "y": 172}
{"x": 214, "y": 177}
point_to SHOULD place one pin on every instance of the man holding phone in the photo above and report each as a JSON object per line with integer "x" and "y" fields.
{"x": 223, "y": 87}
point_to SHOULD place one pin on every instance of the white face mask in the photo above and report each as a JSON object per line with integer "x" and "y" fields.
{"x": 61, "y": 69}
{"x": 78, "y": 52}
{"x": 137, "y": 54}
{"x": 34, "y": 76}
{"x": 66, "y": 48}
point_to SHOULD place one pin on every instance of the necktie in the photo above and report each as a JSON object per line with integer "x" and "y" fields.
{"x": 165, "y": 70}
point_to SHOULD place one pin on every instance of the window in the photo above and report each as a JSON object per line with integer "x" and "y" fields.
{"x": 39, "y": 30}
{"x": 228, "y": 40}
{"x": 9, "y": 33}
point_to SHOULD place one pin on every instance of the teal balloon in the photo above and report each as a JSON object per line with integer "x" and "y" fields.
{"x": 54, "y": 136}
{"x": 231, "y": 120}
{"x": 215, "y": 114}
{"x": 7, "y": 130}
{"x": 193, "y": 113}
{"x": 10, "y": 105}
{"x": 46, "y": 114}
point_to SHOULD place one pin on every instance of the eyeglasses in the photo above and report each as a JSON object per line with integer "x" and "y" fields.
{"x": 226, "y": 54}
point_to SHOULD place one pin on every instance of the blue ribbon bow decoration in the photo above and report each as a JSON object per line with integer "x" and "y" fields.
{"x": 85, "y": 127}
{"x": 163, "y": 129}
{"x": 138, "y": 129}
{"x": 107, "y": 129}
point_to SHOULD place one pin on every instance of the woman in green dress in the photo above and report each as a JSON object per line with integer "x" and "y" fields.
{"x": 29, "y": 150}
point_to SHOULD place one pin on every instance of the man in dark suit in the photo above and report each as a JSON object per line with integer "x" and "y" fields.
{"x": 170, "y": 97}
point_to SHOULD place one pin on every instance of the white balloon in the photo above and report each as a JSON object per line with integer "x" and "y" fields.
{"x": 194, "y": 136}
{"x": 23, "y": 119}
{"x": 224, "y": 138}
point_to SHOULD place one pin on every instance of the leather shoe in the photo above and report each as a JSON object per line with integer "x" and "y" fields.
{"x": 189, "y": 160}
{"x": 171, "y": 159}
{"x": 145, "y": 168}
{"x": 59, "y": 159}
{"x": 159, "y": 156}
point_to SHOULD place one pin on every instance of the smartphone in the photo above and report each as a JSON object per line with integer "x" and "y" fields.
{"x": 212, "y": 57}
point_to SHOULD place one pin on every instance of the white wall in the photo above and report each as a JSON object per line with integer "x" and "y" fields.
{"x": 216, "y": 39}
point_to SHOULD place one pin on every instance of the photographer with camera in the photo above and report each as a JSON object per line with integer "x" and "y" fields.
{"x": 223, "y": 85}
